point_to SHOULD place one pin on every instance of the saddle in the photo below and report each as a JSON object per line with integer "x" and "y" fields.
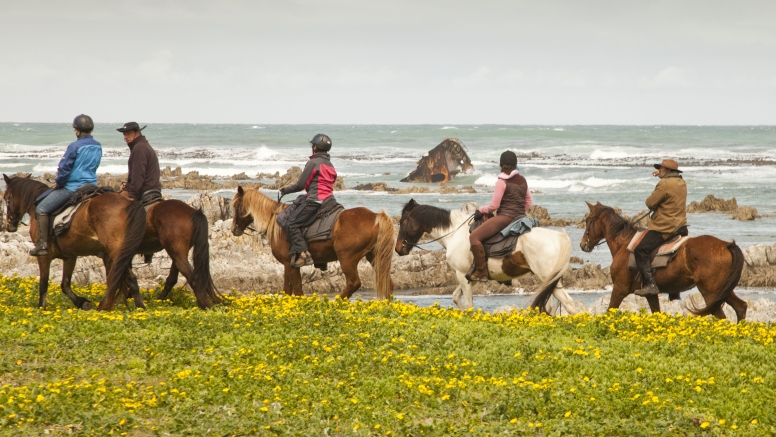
{"x": 151, "y": 197}
{"x": 321, "y": 227}
{"x": 63, "y": 217}
{"x": 503, "y": 243}
{"x": 662, "y": 255}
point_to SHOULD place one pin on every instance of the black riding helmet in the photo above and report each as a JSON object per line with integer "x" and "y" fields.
{"x": 323, "y": 142}
{"x": 83, "y": 123}
{"x": 508, "y": 158}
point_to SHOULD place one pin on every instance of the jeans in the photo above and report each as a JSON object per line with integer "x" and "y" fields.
{"x": 53, "y": 201}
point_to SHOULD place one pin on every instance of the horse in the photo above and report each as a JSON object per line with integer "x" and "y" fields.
{"x": 176, "y": 227}
{"x": 542, "y": 251}
{"x": 357, "y": 233}
{"x": 109, "y": 226}
{"x": 711, "y": 264}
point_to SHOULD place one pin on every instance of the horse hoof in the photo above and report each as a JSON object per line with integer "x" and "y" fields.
{"x": 87, "y": 305}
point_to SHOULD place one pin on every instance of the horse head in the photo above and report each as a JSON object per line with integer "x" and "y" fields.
{"x": 242, "y": 218}
{"x": 410, "y": 229}
{"x": 594, "y": 229}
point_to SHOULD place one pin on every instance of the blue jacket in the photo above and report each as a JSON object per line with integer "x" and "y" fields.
{"x": 79, "y": 165}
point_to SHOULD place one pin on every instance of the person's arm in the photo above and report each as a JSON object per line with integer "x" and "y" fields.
{"x": 528, "y": 199}
{"x": 135, "y": 180}
{"x": 66, "y": 165}
{"x": 495, "y": 202}
{"x": 657, "y": 197}
{"x": 302, "y": 181}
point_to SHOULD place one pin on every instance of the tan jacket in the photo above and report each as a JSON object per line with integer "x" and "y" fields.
{"x": 669, "y": 204}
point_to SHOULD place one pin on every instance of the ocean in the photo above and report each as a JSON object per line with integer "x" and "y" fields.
{"x": 564, "y": 165}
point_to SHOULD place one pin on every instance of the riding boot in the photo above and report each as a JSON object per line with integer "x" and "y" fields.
{"x": 648, "y": 284}
{"x": 480, "y": 265}
{"x": 303, "y": 259}
{"x": 41, "y": 246}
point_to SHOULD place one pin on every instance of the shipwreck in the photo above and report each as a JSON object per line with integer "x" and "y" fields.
{"x": 441, "y": 163}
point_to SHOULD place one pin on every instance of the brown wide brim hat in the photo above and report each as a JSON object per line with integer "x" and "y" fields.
{"x": 669, "y": 164}
{"x": 131, "y": 126}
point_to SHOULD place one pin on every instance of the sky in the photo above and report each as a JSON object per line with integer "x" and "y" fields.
{"x": 390, "y": 62}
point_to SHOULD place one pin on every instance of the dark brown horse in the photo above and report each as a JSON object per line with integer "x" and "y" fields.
{"x": 176, "y": 227}
{"x": 706, "y": 262}
{"x": 357, "y": 233}
{"x": 109, "y": 226}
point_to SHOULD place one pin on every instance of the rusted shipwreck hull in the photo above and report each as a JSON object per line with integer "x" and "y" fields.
{"x": 441, "y": 163}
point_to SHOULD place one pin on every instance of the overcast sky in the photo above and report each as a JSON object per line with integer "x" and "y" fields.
{"x": 397, "y": 61}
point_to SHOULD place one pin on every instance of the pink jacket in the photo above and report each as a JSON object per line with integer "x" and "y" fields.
{"x": 495, "y": 203}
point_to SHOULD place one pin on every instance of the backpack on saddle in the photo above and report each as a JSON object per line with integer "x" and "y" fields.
{"x": 661, "y": 256}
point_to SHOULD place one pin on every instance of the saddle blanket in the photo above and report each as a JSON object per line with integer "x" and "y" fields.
{"x": 64, "y": 215}
{"x": 661, "y": 256}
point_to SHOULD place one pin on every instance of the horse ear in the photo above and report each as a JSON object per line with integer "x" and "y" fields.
{"x": 29, "y": 175}
{"x": 411, "y": 204}
{"x": 7, "y": 179}
{"x": 240, "y": 191}
{"x": 592, "y": 207}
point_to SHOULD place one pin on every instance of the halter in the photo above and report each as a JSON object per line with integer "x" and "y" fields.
{"x": 406, "y": 243}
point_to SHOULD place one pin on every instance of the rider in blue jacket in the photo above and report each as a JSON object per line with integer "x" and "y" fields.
{"x": 78, "y": 167}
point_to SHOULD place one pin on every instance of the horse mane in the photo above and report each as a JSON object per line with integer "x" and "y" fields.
{"x": 430, "y": 215}
{"x": 619, "y": 225}
{"x": 264, "y": 211}
{"x": 26, "y": 190}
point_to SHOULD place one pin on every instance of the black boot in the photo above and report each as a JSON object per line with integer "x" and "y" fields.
{"x": 41, "y": 246}
{"x": 648, "y": 284}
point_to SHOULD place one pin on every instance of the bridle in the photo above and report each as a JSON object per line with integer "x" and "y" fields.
{"x": 404, "y": 242}
{"x": 589, "y": 229}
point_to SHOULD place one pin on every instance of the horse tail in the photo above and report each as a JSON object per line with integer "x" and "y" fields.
{"x": 383, "y": 256}
{"x": 204, "y": 289}
{"x": 134, "y": 231}
{"x": 561, "y": 265}
{"x": 734, "y": 275}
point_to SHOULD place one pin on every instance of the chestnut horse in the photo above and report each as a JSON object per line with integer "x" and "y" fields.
{"x": 706, "y": 262}
{"x": 176, "y": 227}
{"x": 357, "y": 233}
{"x": 109, "y": 226}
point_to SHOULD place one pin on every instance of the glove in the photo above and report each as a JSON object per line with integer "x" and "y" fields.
{"x": 478, "y": 215}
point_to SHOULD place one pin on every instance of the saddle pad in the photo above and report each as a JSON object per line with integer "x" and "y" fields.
{"x": 637, "y": 239}
{"x": 322, "y": 227}
{"x": 658, "y": 261}
{"x": 499, "y": 246}
{"x": 61, "y": 222}
{"x": 672, "y": 245}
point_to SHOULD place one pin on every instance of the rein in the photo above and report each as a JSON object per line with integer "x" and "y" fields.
{"x": 632, "y": 221}
{"x": 437, "y": 239}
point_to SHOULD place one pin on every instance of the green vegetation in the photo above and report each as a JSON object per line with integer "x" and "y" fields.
{"x": 309, "y": 366}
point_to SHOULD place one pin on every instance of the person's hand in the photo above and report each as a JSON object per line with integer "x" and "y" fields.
{"x": 656, "y": 173}
{"x": 478, "y": 215}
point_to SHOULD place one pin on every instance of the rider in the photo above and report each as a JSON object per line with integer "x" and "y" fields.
{"x": 78, "y": 167}
{"x": 669, "y": 217}
{"x": 317, "y": 179}
{"x": 511, "y": 201}
{"x": 143, "y": 175}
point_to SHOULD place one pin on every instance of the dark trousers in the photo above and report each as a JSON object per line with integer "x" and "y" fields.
{"x": 489, "y": 229}
{"x": 651, "y": 241}
{"x": 303, "y": 217}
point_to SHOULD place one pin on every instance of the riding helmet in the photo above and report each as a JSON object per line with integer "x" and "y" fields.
{"x": 323, "y": 142}
{"x": 83, "y": 123}
{"x": 508, "y": 158}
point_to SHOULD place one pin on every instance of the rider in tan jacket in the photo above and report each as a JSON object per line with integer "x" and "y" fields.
{"x": 668, "y": 204}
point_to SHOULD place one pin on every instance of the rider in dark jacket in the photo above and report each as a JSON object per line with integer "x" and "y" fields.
{"x": 511, "y": 200}
{"x": 143, "y": 164}
{"x": 317, "y": 179}
{"x": 78, "y": 167}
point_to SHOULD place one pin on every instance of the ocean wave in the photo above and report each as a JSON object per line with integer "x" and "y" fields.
{"x": 449, "y": 127}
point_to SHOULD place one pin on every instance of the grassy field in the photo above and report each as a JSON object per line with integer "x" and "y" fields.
{"x": 269, "y": 365}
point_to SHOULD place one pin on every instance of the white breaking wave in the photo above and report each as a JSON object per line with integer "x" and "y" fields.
{"x": 449, "y": 127}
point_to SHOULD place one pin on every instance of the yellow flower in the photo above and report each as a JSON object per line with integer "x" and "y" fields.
{"x": 704, "y": 425}
{"x": 568, "y": 413}
{"x": 513, "y": 421}
{"x": 40, "y": 398}
{"x": 721, "y": 421}
{"x": 400, "y": 416}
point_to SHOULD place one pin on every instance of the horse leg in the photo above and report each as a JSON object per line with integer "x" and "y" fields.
{"x": 564, "y": 299}
{"x": 738, "y": 305}
{"x": 44, "y": 265}
{"x": 465, "y": 291}
{"x": 170, "y": 282}
{"x": 295, "y": 281}
{"x": 134, "y": 289}
{"x": 287, "y": 279}
{"x": 352, "y": 281}
{"x": 654, "y": 303}
{"x": 68, "y": 266}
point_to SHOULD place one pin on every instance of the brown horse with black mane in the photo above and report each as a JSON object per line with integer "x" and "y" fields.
{"x": 176, "y": 227}
{"x": 357, "y": 233}
{"x": 109, "y": 226}
{"x": 706, "y": 262}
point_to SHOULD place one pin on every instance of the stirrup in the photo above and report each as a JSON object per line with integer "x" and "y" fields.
{"x": 305, "y": 258}
{"x": 648, "y": 290}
